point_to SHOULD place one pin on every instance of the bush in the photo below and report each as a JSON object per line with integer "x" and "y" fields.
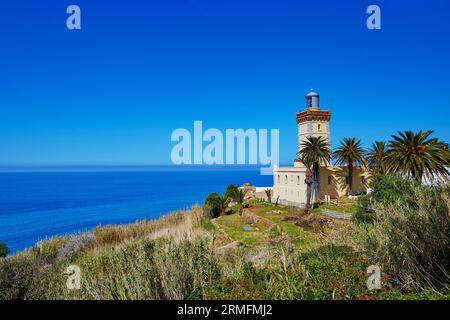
{"x": 149, "y": 269}
{"x": 215, "y": 204}
{"x": 328, "y": 272}
{"x": 363, "y": 214}
{"x": 47, "y": 250}
{"x": 75, "y": 244}
{"x": 25, "y": 276}
{"x": 231, "y": 191}
{"x": 408, "y": 232}
{"x": 317, "y": 204}
{"x": 4, "y": 250}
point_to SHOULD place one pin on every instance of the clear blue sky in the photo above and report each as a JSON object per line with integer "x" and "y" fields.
{"x": 113, "y": 92}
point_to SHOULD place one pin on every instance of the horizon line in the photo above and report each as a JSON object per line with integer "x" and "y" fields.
{"x": 126, "y": 167}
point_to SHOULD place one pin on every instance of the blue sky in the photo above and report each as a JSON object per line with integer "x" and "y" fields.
{"x": 113, "y": 92}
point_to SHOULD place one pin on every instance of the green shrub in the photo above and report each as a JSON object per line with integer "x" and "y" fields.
{"x": 208, "y": 225}
{"x": 328, "y": 272}
{"x": 149, "y": 269}
{"x": 25, "y": 276}
{"x": 47, "y": 250}
{"x": 215, "y": 204}
{"x": 4, "y": 250}
{"x": 231, "y": 191}
{"x": 317, "y": 204}
{"x": 409, "y": 232}
{"x": 363, "y": 214}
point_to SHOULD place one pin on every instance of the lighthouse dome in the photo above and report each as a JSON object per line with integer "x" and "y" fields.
{"x": 312, "y": 100}
{"x": 312, "y": 93}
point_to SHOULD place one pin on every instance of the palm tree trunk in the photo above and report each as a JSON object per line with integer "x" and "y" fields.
{"x": 316, "y": 172}
{"x": 308, "y": 181}
{"x": 350, "y": 177}
{"x": 308, "y": 196}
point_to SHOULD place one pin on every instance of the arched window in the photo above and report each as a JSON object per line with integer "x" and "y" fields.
{"x": 286, "y": 179}
{"x": 329, "y": 180}
{"x": 318, "y": 127}
{"x": 298, "y": 179}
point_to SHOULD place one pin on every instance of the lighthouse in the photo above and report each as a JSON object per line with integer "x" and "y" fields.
{"x": 312, "y": 121}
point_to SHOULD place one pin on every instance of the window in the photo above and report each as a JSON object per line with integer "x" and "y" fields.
{"x": 298, "y": 179}
{"x": 319, "y": 128}
{"x": 329, "y": 180}
{"x": 278, "y": 179}
{"x": 286, "y": 179}
{"x": 308, "y": 102}
{"x": 346, "y": 180}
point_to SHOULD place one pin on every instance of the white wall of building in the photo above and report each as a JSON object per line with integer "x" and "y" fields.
{"x": 289, "y": 184}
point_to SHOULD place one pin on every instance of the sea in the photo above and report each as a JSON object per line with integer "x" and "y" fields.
{"x": 39, "y": 203}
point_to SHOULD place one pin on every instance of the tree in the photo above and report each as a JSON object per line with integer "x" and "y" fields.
{"x": 4, "y": 250}
{"x": 416, "y": 155}
{"x": 351, "y": 153}
{"x": 216, "y": 204}
{"x": 314, "y": 151}
{"x": 377, "y": 157}
{"x": 239, "y": 197}
{"x": 308, "y": 181}
{"x": 269, "y": 195}
{"x": 230, "y": 191}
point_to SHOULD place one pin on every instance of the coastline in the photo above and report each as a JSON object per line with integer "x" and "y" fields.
{"x": 37, "y": 205}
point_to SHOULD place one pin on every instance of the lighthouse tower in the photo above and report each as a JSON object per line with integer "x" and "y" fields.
{"x": 312, "y": 122}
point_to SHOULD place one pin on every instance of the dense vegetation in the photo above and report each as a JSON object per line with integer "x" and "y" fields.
{"x": 403, "y": 227}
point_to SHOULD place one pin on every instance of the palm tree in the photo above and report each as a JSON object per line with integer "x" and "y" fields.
{"x": 376, "y": 157}
{"x": 415, "y": 155}
{"x": 229, "y": 192}
{"x": 351, "y": 153}
{"x": 239, "y": 197}
{"x": 314, "y": 151}
{"x": 216, "y": 204}
{"x": 308, "y": 182}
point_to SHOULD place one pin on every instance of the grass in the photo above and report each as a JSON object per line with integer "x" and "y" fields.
{"x": 185, "y": 255}
{"x": 207, "y": 225}
{"x": 350, "y": 207}
{"x": 234, "y": 224}
{"x": 269, "y": 228}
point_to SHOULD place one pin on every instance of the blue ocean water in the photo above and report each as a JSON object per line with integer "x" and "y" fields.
{"x": 37, "y": 205}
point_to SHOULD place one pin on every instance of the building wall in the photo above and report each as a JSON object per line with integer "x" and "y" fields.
{"x": 333, "y": 181}
{"x": 289, "y": 183}
{"x": 314, "y": 129}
